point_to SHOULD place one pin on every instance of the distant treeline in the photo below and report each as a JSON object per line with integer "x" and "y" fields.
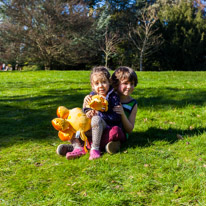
{"x": 75, "y": 34}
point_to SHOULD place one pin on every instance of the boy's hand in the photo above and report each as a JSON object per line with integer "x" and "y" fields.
{"x": 118, "y": 109}
{"x": 91, "y": 113}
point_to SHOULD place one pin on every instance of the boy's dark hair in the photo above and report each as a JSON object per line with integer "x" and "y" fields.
{"x": 100, "y": 69}
{"x": 122, "y": 73}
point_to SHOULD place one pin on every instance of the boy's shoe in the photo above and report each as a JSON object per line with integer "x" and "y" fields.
{"x": 77, "y": 152}
{"x": 112, "y": 147}
{"x": 94, "y": 154}
{"x": 62, "y": 149}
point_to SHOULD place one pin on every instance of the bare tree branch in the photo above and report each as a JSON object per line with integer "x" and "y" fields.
{"x": 108, "y": 45}
{"x": 144, "y": 35}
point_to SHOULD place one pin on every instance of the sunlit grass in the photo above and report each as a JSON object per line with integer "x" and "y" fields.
{"x": 163, "y": 163}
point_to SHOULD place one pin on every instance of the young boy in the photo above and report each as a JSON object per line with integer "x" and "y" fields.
{"x": 124, "y": 80}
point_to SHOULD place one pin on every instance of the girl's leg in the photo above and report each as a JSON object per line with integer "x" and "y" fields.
{"x": 76, "y": 142}
{"x": 62, "y": 149}
{"x": 89, "y": 138}
{"x": 98, "y": 125}
{"x": 78, "y": 149}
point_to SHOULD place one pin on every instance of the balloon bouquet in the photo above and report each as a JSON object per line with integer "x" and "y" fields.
{"x": 74, "y": 121}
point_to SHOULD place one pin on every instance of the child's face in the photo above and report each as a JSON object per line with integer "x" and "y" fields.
{"x": 100, "y": 85}
{"x": 125, "y": 87}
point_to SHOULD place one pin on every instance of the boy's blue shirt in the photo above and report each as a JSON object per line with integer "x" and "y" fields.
{"x": 110, "y": 117}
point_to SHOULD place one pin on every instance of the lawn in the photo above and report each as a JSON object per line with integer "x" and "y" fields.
{"x": 163, "y": 163}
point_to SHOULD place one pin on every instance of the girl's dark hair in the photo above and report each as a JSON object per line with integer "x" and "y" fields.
{"x": 122, "y": 73}
{"x": 101, "y": 69}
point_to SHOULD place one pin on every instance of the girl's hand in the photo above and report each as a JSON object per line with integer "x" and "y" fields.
{"x": 91, "y": 113}
{"x": 119, "y": 109}
{"x": 87, "y": 99}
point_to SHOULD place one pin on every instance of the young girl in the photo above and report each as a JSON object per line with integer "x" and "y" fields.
{"x": 124, "y": 80}
{"x": 100, "y": 82}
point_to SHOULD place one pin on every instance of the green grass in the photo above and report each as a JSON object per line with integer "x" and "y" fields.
{"x": 153, "y": 168}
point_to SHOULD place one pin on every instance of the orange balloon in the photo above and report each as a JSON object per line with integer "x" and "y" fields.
{"x": 65, "y": 136}
{"x": 70, "y": 122}
{"x": 62, "y": 112}
{"x": 60, "y": 124}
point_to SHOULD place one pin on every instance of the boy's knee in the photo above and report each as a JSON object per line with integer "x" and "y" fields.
{"x": 116, "y": 134}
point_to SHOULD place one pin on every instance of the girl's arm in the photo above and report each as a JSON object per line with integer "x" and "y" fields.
{"x": 111, "y": 117}
{"x": 128, "y": 123}
{"x": 89, "y": 112}
{"x": 87, "y": 99}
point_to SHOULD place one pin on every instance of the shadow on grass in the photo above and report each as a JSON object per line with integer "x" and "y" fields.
{"x": 146, "y": 139}
{"x": 32, "y": 85}
{"x": 19, "y": 122}
{"x": 170, "y": 97}
{"x": 25, "y": 118}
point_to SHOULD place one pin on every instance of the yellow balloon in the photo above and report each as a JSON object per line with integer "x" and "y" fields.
{"x": 98, "y": 103}
{"x": 79, "y": 121}
{"x": 76, "y": 121}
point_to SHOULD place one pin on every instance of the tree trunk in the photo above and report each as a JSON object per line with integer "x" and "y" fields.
{"x": 106, "y": 60}
{"x": 47, "y": 67}
{"x": 140, "y": 62}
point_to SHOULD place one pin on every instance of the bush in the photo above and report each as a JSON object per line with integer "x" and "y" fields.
{"x": 31, "y": 68}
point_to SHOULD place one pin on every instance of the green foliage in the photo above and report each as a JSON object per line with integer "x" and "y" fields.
{"x": 103, "y": 20}
{"x": 183, "y": 28}
{"x": 58, "y": 34}
{"x": 45, "y": 32}
{"x": 163, "y": 162}
{"x": 31, "y": 68}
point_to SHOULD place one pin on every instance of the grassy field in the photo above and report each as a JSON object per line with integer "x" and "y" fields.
{"x": 163, "y": 163}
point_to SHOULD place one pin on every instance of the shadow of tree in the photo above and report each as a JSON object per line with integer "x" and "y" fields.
{"x": 21, "y": 122}
{"x": 30, "y": 85}
{"x": 170, "y": 96}
{"x": 146, "y": 139}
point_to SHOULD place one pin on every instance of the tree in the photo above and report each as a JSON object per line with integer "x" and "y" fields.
{"x": 183, "y": 26}
{"x": 108, "y": 45}
{"x": 48, "y": 32}
{"x": 144, "y": 36}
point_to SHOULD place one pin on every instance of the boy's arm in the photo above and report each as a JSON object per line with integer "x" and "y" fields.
{"x": 128, "y": 124}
